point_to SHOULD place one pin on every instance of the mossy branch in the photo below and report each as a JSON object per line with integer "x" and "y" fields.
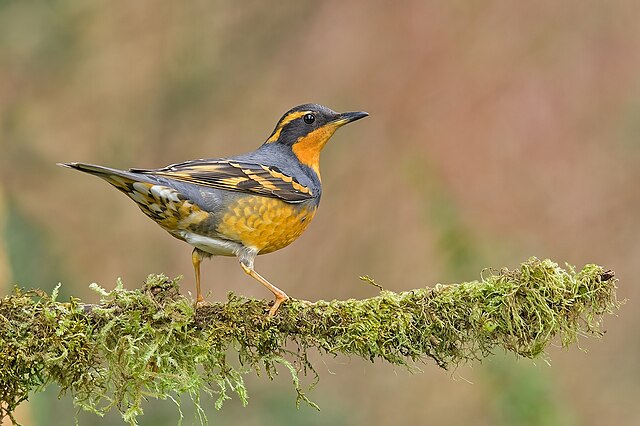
{"x": 137, "y": 344}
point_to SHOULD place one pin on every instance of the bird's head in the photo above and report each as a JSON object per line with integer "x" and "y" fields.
{"x": 307, "y": 128}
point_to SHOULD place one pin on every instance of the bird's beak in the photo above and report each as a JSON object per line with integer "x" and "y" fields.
{"x": 348, "y": 117}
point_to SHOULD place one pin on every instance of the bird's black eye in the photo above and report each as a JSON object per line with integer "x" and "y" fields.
{"x": 309, "y": 118}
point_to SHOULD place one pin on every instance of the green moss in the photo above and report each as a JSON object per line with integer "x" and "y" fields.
{"x": 152, "y": 343}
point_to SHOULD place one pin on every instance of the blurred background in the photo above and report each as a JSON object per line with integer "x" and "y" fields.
{"x": 499, "y": 130}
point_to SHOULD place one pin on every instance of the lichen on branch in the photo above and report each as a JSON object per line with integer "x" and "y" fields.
{"x": 152, "y": 343}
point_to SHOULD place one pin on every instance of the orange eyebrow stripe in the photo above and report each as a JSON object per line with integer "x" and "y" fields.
{"x": 286, "y": 120}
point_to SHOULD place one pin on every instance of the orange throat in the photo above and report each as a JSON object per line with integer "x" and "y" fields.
{"x": 308, "y": 147}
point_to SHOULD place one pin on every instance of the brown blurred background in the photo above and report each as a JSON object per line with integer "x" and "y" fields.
{"x": 499, "y": 130}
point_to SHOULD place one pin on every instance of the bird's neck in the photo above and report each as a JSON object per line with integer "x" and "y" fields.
{"x": 308, "y": 147}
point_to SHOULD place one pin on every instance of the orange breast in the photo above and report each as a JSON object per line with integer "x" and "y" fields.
{"x": 266, "y": 224}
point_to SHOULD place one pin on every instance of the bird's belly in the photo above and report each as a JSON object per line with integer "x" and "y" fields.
{"x": 264, "y": 224}
{"x": 212, "y": 245}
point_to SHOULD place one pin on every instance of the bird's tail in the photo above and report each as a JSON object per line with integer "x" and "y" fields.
{"x": 121, "y": 179}
{"x": 93, "y": 169}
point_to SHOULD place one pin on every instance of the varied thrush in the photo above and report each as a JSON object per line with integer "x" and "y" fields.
{"x": 240, "y": 206}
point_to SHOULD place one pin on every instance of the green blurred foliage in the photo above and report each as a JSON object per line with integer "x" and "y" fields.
{"x": 524, "y": 394}
{"x": 455, "y": 241}
{"x": 32, "y": 263}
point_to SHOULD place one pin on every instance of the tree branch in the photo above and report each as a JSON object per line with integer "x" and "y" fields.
{"x": 150, "y": 342}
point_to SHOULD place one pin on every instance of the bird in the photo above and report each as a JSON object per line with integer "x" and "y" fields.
{"x": 244, "y": 205}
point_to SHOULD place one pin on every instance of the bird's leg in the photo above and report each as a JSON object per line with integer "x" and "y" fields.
{"x": 280, "y": 295}
{"x": 247, "y": 265}
{"x": 196, "y": 258}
